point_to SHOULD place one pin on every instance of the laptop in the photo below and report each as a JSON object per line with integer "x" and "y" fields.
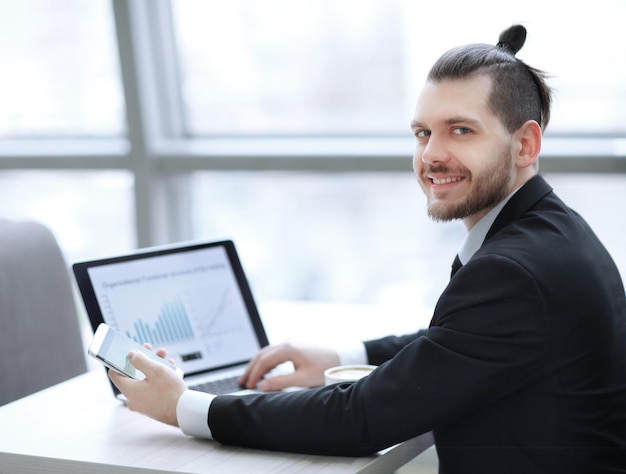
{"x": 193, "y": 299}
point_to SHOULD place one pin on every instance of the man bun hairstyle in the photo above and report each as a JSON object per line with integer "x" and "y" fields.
{"x": 512, "y": 39}
{"x": 518, "y": 92}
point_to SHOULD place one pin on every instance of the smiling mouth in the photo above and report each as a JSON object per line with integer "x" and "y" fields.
{"x": 446, "y": 180}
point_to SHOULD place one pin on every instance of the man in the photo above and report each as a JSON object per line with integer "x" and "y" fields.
{"x": 523, "y": 368}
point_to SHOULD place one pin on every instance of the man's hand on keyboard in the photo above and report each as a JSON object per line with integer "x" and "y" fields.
{"x": 309, "y": 363}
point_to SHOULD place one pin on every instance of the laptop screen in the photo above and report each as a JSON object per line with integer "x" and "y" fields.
{"x": 192, "y": 300}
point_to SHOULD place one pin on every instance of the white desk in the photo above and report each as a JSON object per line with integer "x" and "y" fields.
{"x": 78, "y": 426}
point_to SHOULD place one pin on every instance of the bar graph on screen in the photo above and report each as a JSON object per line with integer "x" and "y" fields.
{"x": 187, "y": 303}
{"x": 171, "y": 325}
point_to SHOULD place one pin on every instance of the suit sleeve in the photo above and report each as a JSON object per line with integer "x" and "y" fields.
{"x": 383, "y": 349}
{"x": 487, "y": 339}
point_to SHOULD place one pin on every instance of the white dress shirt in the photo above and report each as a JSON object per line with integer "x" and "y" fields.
{"x": 192, "y": 408}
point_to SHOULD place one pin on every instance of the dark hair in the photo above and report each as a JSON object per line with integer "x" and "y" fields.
{"x": 518, "y": 93}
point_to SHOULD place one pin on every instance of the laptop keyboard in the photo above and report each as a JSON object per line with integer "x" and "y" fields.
{"x": 219, "y": 387}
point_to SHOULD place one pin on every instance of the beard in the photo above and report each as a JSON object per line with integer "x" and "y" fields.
{"x": 490, "y": 187}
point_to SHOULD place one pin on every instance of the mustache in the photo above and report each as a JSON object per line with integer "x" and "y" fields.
{"x": 445, "y": 170}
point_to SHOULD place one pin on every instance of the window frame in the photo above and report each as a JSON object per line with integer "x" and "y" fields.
{"x": 162, "y": 159}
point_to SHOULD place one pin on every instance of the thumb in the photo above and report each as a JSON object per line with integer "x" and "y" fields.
{"x": 141, "y": 361}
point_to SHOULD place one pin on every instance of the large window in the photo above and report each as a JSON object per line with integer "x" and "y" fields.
{"x": 90, "y": 212}
{"x": 282, "y": 124}
{"x": 362, "y": 237}
{"x": 353, "y": 67}
{"x": 60, "y": 74}
{"x": 282, "y": 67}
{"x": 349, "y": 237}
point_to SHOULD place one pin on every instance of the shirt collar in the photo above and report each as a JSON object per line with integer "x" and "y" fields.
{"x": 475, "y": 237}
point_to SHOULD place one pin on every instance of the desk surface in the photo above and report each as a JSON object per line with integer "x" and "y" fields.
{"x": 78, "y": 426}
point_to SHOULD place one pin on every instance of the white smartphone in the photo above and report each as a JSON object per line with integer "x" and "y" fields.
{"x": 111, "y": 348}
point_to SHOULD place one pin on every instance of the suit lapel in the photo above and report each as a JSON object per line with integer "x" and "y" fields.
{"x": 456, "y": 265}
{"x": 532, "y": 191}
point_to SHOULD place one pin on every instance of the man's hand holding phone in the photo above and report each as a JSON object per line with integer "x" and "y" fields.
{"x": 150, "y": 383}
{"x": 157, "y": 394}
{"x": 111, "y": 348}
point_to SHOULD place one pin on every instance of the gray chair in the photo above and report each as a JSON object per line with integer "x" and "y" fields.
{"x": 40, "y": 337}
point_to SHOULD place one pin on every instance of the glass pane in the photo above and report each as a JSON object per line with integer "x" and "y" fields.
{"x": 346, "y": 67}
{"x": 60, "y": 72}
{"x": 289, "y": 67}
{"x": 344, "y": 238}
{"x": 91, "y": 213}
{"x": 600, "y": 200}
{"x": 361, "y": 238}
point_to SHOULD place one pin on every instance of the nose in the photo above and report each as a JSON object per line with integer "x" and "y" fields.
{"x": 433, "y": 151}
{"x": 429, "y": 153}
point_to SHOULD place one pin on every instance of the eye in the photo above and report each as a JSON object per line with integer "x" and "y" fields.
{"x": 422, "y": 133}
{"x": 461, "y": 131}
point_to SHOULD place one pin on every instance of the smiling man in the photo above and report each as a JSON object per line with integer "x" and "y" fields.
{"x": 465, "y": 159}
{"x": 523, "y": 367}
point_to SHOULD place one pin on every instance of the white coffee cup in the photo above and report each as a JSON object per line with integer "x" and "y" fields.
{"x": 347, "y": 373}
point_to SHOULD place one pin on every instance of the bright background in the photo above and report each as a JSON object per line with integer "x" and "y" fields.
{"x": 282, "y": 125}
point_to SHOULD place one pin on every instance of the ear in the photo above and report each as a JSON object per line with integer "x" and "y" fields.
{"x": 529, "y": 144}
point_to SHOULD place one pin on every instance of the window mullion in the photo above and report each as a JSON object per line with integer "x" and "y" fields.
{"x": 150, "y": 115}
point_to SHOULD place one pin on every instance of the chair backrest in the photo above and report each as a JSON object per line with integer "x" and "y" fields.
{"x": 40, "y": 337}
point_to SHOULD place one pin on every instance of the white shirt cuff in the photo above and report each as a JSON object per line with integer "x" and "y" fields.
{"x": 192, "y": 412}
{"x": 352, "y": 354}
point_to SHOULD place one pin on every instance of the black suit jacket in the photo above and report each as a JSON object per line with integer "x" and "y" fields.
{"x": 522, "y": 370}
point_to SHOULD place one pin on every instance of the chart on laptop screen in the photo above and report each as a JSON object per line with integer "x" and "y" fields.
{"x": 189, "y": 303}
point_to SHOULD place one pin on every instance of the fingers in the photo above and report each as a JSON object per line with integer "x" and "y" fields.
{"x": 143, "y": 363}
{"x": 155, "y": 396}
{"x": 120, "y": 381}
{"x": 309, "y": 363}
{"x": 251, "y": 376}
{"x": 266, "y": 359}
{"x": 161, "y": 352}
{"x": 123, "y": 383}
